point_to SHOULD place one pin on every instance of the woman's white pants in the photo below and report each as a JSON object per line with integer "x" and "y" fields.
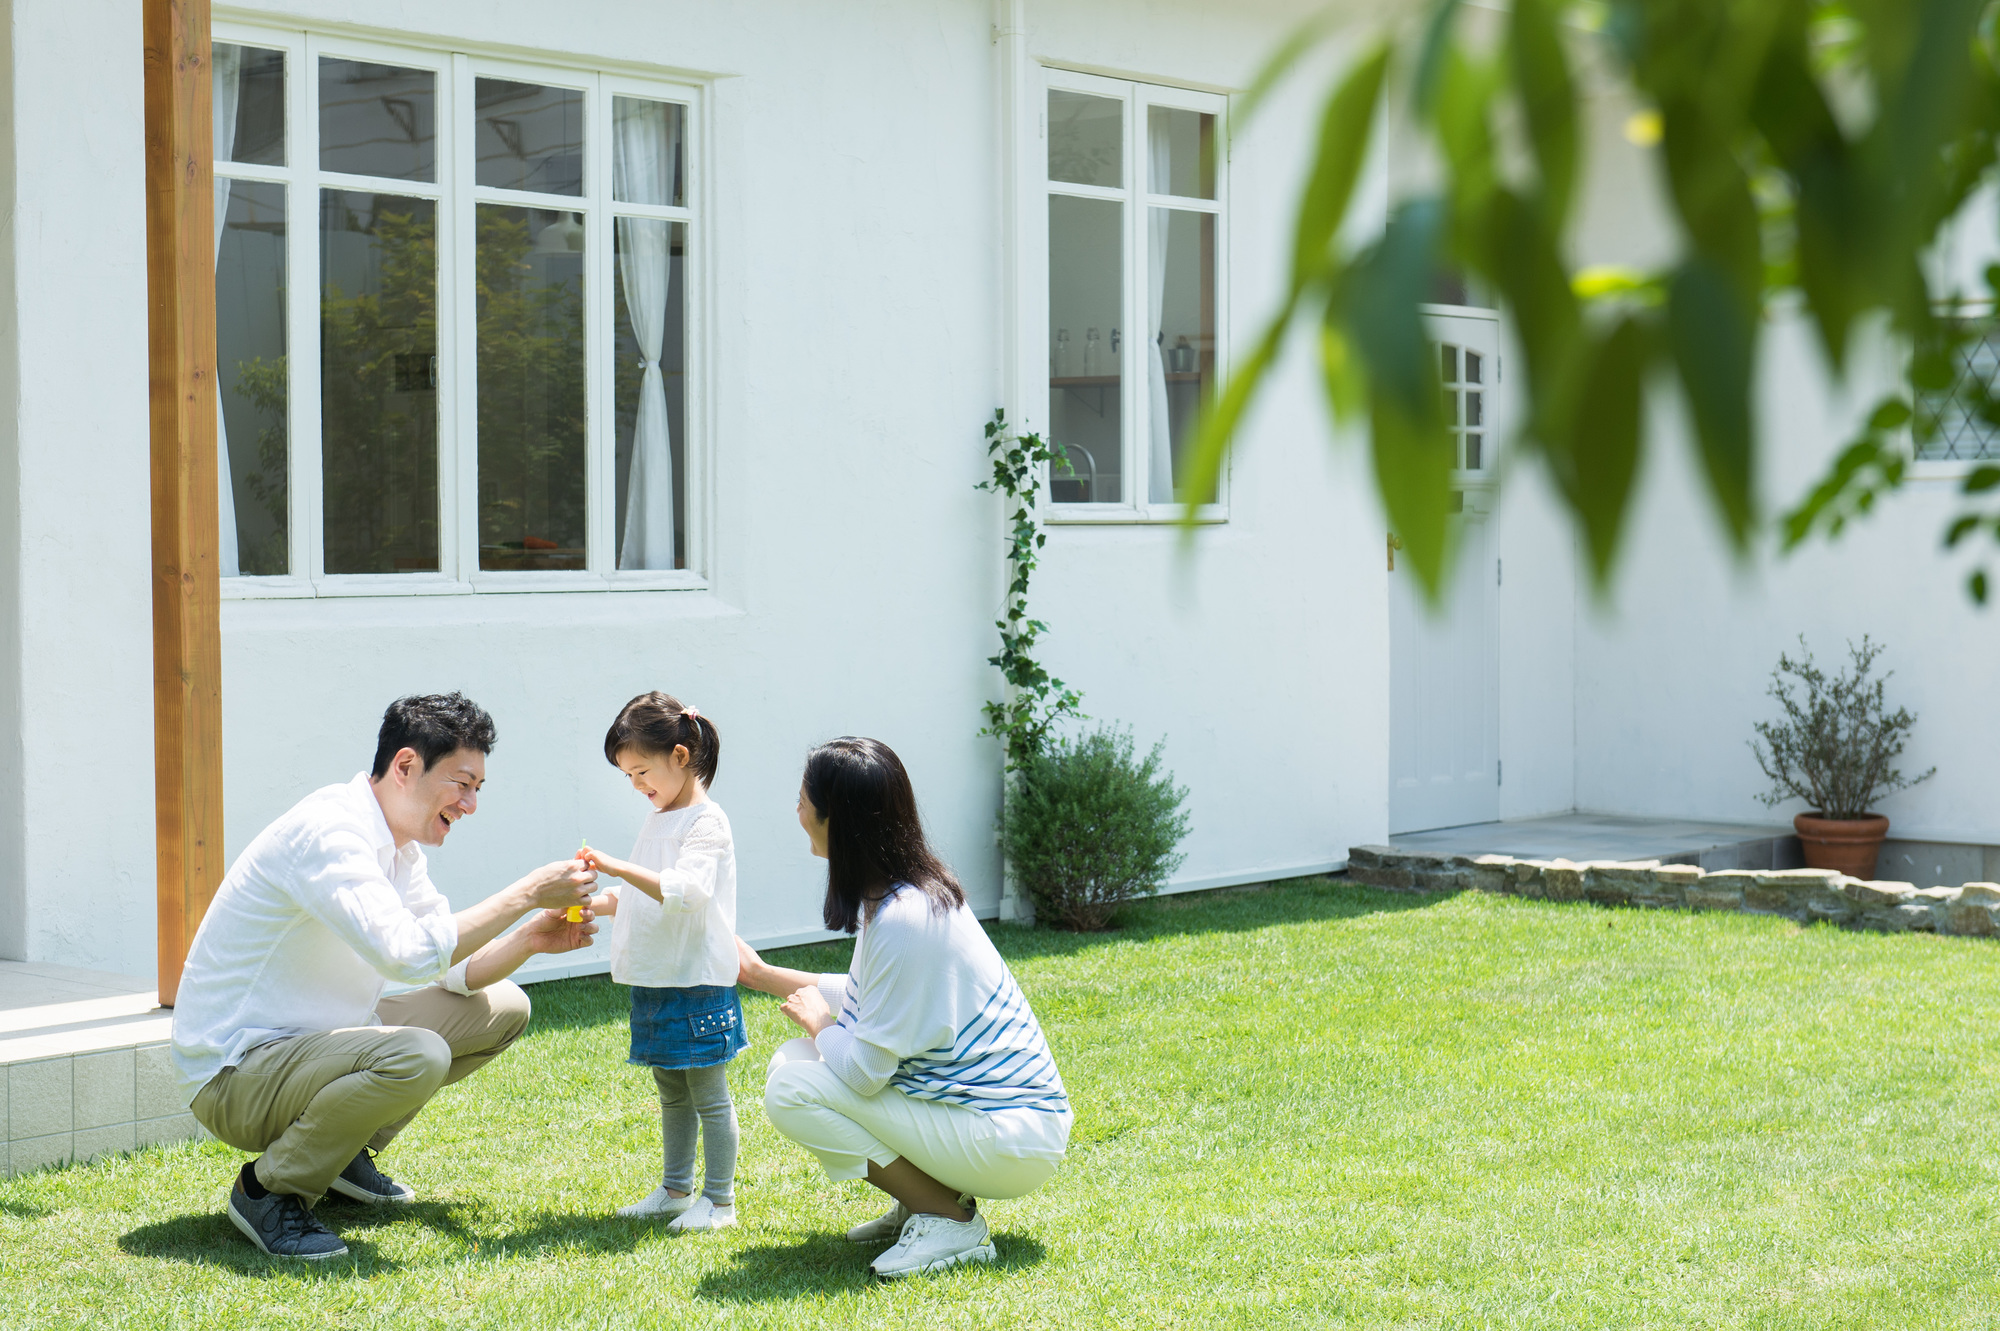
{"x": 958, "y": 1147}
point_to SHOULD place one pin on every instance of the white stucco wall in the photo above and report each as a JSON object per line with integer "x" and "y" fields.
{"x": 76, "y": 807}
{"x": 855, "y": 574}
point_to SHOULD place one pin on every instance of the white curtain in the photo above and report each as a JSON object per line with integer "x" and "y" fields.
{"x": 639, "y": 165}
{"x": 226, "y": 67}
{"x": 1161, "y": 470}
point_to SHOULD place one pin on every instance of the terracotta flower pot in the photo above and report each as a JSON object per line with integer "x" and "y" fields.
{"x": 1847, "y": 844}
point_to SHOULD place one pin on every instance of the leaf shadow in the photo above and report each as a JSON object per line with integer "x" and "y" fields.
{"x": 828, "y": 1264}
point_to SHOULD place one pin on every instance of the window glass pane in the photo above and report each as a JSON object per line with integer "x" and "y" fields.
{"x": 249, "y": 84}
{"x": 378, "y": 382}
{"x": 250, "y": 362}
{"x": 528, "y": 137}
{"x": 377, "y": 120}
{"x": 648, "y": 152}
{"x": 1086, "y": 139}
{"x": 1182, "y": 269}
{"x": 650, "y": 353}
{"x": 1181, "y": 145}
{"x": 531, "y": 389}
{"x": 1086, "y": 286}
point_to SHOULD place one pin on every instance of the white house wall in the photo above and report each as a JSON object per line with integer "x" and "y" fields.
{"x": 1671, "y": 674}
{"x": 76, "y": 806}
{"x": 855, "y": 573}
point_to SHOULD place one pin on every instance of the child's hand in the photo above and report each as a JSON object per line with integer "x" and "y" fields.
{"x": 604, "y": 905}
{"x": 603, "y": 863}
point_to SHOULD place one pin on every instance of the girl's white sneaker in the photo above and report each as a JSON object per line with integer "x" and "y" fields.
{"x": 658, "y": 1204}
{"x": 935, "y": 1243}
{"x": 705, "y": 1214}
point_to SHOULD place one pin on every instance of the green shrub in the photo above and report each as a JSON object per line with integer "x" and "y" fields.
{"x": 1838, "y": 742}
{"x": 1087, "y": 828}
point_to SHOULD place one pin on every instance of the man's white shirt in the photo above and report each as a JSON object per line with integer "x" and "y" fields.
{"x": 311, "y": 920}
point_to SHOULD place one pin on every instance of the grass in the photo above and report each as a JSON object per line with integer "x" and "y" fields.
{"x": 1313, "y": 1105}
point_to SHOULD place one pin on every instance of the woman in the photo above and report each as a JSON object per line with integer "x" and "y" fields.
{"x": 924, "y": 1070}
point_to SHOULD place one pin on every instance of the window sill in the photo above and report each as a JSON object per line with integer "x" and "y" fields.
{"x": 1950, "y": 470}
{"x": 1161, "y": 515}
{"x": 481, "y": 584}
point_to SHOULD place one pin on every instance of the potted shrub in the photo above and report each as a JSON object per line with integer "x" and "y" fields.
{"x": 1835, "y": 749}
{"x": 1087, "y": 828}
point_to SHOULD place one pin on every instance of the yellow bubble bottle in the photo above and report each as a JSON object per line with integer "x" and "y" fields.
{"x": 575, "y": 915}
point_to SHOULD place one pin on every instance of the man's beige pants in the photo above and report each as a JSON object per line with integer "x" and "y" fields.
{"x": 311, "y": 1102}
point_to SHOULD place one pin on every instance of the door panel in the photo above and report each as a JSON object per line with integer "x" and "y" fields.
{"x": 1443, "y": 723}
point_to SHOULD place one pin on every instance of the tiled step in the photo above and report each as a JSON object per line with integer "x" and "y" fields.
{"x": 85, "y": 1072}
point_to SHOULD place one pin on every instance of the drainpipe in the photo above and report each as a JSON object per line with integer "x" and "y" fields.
{"x": 1020, "y": 129}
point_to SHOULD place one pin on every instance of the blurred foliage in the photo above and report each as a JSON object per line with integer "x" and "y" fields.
{"x": 1809, "y": 152}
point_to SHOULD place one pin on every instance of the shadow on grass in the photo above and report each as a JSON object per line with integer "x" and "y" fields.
{"x": 827, "y": 1264}
{"x": 23, "y": 1210}
{"x": 594, "y": 1001}
{"x": 210, "y": 1239}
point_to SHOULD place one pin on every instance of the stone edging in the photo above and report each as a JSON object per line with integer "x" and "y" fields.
{"x": 1805, "y": 895}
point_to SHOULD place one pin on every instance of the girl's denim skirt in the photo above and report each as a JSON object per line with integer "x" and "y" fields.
{"x": 695, "y": 1027}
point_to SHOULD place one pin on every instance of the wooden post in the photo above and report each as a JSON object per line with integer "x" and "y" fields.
{"x": 187, "y": 593}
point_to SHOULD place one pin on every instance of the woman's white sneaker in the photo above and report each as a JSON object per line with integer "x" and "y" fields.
{"x": 883, "y": 1228}
{"x": 935, "y": 1243}
{"x": 659, "y": 1204}
{"x": 705, "y": 1214}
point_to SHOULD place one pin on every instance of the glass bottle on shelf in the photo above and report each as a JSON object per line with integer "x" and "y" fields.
{"x": 1060, "y": 366}
{"x": 1092, "y": 355}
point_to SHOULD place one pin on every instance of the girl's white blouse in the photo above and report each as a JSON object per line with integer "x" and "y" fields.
{"x": 688, "y": 937}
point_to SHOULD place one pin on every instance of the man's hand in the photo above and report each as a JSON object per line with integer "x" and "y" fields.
{"x": 560, "y": 885}
{"x": 551, "y": 931}
{"x": 808, "y": 1010}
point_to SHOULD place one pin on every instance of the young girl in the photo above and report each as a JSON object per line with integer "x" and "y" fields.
{"x": 674, "y": 941}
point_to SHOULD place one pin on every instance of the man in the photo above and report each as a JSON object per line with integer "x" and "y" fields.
{"x": 282, "y": 1038}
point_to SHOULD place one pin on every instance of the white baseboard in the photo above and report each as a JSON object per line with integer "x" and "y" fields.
{"x": 1273, "y": 875}
{"x": 596, "y": 965}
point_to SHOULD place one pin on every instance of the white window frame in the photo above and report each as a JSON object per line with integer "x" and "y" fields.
{"x": 458, "y": 67}
{"x": 1137, "y": 200}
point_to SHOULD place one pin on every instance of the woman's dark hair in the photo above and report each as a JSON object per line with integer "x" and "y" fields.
{"x": 436, "y": 725}
{"x": 874, "y": 838}
{"x": 657, "y": 722}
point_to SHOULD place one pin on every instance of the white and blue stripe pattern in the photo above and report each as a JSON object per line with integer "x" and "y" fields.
{"x": 999, "y": 1060}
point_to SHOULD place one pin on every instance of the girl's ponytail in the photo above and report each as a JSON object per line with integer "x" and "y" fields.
{"x": 658, "y": 723}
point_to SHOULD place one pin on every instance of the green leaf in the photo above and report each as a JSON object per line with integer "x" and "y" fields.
{"x": 1548, "y": 102}
{"x": 1345, "y": 130}
{"x": 1892, "y": 414}
{"x": 1714, "y": 349}
{"x": 1711, "y": 192}
{"x": 1378, "y": 308}
{"x": 1976, "y": 585}
{"x": 1432, "y": 55}
{"x": 1980, "y": 481}
{"x": 1221, "y": 415}
{"x": 1606, "y": 434}
{"x": 1961, "y": 529}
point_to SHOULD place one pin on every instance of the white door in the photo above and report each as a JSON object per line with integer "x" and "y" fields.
{"x": 1444, "y": 770}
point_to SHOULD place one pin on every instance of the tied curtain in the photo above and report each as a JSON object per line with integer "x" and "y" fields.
{"x": 645, "y": 269}
{"x": 1160, "y": 469}
{"x": 226, "y": 68}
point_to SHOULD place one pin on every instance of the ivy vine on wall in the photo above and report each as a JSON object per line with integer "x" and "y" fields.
{"x": 1035, "y": 700}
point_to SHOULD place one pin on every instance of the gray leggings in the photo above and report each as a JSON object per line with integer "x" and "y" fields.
{"x": 694, "y": 1099}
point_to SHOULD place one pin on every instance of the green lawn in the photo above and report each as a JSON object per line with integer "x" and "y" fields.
{"x": 1313, "y": 1105}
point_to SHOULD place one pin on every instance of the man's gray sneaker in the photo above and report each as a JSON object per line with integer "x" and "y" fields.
{"x": 365, "y": 1183}
{"x": 283, "y": 1225}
